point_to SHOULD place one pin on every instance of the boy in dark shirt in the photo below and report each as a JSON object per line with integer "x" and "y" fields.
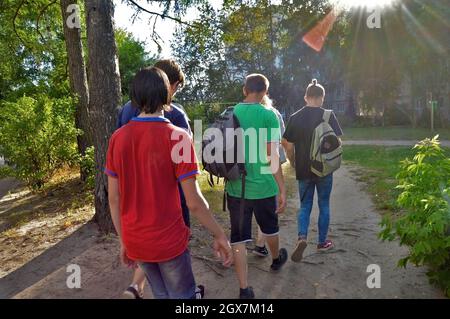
{"x": 297, "y": 143}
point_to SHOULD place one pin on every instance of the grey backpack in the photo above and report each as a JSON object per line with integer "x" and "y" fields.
{"x": 326, "y": 148}
{"x": 230, "y": 165}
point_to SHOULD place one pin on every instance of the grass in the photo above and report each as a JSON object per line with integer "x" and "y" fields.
{"x": 393, "y": 133}
{"x": 380, "y": 165}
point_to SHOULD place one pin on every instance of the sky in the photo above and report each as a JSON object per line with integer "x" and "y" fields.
{"x": 141, "y": 28}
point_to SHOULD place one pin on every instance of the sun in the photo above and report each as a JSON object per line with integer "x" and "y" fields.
{"x": 370, "y": 4}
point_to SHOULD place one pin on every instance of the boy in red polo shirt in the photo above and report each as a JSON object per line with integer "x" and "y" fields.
{"x": 143, "y": 175}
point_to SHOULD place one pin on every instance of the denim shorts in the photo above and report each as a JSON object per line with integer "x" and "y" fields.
{"x": 265, "y": 215}
{"x": 172, "y": 279}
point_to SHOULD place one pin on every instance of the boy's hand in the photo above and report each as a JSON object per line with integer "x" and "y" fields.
{"x": 223, "y": 250}
{"x": 281, "y": 202}
{"x": 127, "y": 262}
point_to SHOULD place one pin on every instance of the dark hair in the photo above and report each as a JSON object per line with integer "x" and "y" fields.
{"x": 150, "y": 90}
{"x": 256, "y": 83}
{"x": 315, "y": 90}
{"x": 173, "y": 71}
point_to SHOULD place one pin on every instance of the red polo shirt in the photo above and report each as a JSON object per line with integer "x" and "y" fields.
{"x": 140, "y": 156}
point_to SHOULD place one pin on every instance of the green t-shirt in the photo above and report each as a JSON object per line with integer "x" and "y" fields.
{"x": 260, "y": 126}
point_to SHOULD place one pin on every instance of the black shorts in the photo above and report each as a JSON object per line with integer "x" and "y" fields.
{"x": 265, "y": 215}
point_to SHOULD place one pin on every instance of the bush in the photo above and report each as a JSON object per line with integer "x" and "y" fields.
{"x": 87, "y": 165}
{"x": 37, "y": 137}
{"x": 207, "y": 113}
{"x": 424, "y": 226}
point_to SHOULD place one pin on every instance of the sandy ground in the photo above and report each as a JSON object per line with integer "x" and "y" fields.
{"x": 341, "y": 273}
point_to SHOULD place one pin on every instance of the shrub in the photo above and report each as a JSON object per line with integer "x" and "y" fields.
{"x": 424, "y": 182}
{"x": 87, "y": 165}
{"x": 37, "y": 137}
{"x": 206, "y": 112}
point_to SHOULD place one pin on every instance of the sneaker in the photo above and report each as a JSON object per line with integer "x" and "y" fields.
{"x": 327, "y": 245}
{"x": 261, "y": 251}
{"x": 200, "y": 292}
{"x": 247, "y": 293}
{"x": 297, "y": 255}
{"x": 132, "y": 292}
{"x": 282, "y": 258}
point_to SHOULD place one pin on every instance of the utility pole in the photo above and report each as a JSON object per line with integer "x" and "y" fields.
{"x": 431, "y": 104}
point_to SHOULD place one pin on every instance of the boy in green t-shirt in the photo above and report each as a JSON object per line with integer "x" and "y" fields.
{"x": 264, "y": 181}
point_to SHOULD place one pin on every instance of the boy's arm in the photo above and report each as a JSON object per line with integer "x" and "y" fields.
{"x": 200, "y": 209}
{"x": 290, "y": 151}
{"x": 274, "y": 158}
{"x": 114, "y": 206}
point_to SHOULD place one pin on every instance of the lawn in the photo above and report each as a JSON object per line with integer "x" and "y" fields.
{"x": 380, "y": 166}
{"x": 392, "y": 133}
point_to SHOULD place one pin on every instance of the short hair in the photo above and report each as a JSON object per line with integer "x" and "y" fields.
{"x": 150, "y": 90}
{"x": 315, "y": 90}
{"x": 173, "y": 71}
{"x": 256, "y": 83}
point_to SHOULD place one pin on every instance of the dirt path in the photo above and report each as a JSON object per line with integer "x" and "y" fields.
{"x": 388, "y": 142}
{"x": 338, "y": 274}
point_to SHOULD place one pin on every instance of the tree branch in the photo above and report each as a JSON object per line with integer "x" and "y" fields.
{"x": 39, "y": 18}
{"x": 162, "y": 15}
{"x": 14, "y": 23}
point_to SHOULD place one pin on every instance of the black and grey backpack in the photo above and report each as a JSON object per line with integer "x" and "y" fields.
{"x": 326, "y": 148}
{"x": 223, "y": 151}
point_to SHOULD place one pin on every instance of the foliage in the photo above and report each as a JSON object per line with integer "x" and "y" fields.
{"x": 205, "y": 112}
{"x": 424, "y": 182}
{"x": 132, "y": 57}
{"x": 248, "y": 37}
{"x": 32, "y": 52}
{"x": 87, "y": 165}
{"x": 386, "y": 70}
{"x": 37, "y": 136}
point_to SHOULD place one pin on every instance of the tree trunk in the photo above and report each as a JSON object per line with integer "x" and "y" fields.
{"x": 78, "y": 80}
{"x": 104, "y": 95}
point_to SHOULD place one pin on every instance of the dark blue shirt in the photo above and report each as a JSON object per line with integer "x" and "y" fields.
{"x": 177, "y": 116}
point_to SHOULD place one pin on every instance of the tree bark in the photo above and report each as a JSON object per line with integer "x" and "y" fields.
{"x": 78, "y": 80}
{"x": 104, "y": 95}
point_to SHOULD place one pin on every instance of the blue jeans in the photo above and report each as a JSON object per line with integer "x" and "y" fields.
{"x": 172, "y": 279}
{"x": 307, "y": 188}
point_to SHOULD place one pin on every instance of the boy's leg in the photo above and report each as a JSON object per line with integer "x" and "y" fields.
{"x": 306, "y": 190}
{"x": 324, "y": 187}
{"x": 139, "y": 278}
{"x": 261, "y": 239}
{"x": 155, "y": 279}
{"x": 241, "y": 232}
{"x": 260, "y": 245}
{"x": 240, "y": 264}
{"x": 178, "y": 277}
{"x": 267, "y": 218}
{"x": 136, "y": 288}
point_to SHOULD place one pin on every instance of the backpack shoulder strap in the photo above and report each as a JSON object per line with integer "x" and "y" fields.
{"x": 327, "y": 115}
